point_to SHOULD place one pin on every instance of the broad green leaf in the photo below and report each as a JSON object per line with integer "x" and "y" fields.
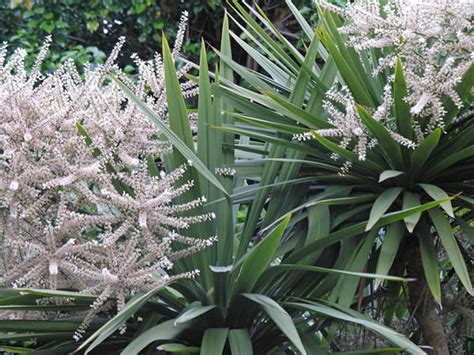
{"x": 356, "y": 229}
{"x": 429, "y": 260}
{"x": 164, "y": 331}
{"x": 240, "y": 343}
{"x": 389, "y": 174}
{"x": 258, "y": 258}
{"x": 436, "y": 193}
{"x": 411, "y": 199}
{"x": 213, "y": 341}
{"x": 382, "y": 204}
{"x": 281, "y": 318}
{"x": 391, "y": 242}
{"x": 192, "y": 313}
{"x": 443, "y": 227}
{"x": 387, "y": 333}
{"x": 402, "y": 108}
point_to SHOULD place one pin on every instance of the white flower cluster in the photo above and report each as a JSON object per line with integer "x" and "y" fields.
{"x": 434, "y": 41}
{"x": 79, "y": 207}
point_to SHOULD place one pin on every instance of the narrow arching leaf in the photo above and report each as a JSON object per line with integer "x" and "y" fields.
{"x": 281, "y": 318}
{"x": 422, "y": 152}
{"x": 382, "y": 204}
{"x": 437, "y": 193}
{"x": 257, "y": 260}
{"x": 402, "y": 108}
{"x": 116, "y": 322}
{"x": 240, "y": 343}
{"x": 192, "y": 313}
{"x": 389, "y": 334}
{"x": 164, "y": 331}
{"x": 213, "y": 341}
{"x": 443, "y": 227}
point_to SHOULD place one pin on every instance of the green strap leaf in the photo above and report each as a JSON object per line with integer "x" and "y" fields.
{"x": 436, "y": 193}
{"x": 389, "y": 249}
{"x": 240, "y": 343}
{"x": 423, "y": 151}
{"x": 382, "y": 204}
{"x": 193, "y": 312}
{"x": 164, "y": 331}
{"x": 281, "y": 318}
{"x": 355, "y": 317}
{"x": 445, "y": 232}
{"x": 402, "y": 108}
{"x": 213, "y": 341}
{"x": 429, "y": 259}
{"x": 257, "y": 260}
{"x": 410, "y": 200}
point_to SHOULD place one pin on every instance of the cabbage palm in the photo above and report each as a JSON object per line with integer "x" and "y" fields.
{"x": 392, "y": 177}
{"x": 258, "y": 289}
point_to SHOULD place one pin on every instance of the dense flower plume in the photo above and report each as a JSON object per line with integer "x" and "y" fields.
{"x": 79, "y": 207}
{"x": 434, "y": 42}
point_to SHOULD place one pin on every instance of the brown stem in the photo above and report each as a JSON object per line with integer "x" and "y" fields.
{"x": 422, "y": 303}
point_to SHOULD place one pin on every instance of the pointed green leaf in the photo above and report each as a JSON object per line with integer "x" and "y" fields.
{"x": 388, "y": 251}
{"x": 259, "y": 257}
{"x": 240, "y": 343}
{"x": 192, "y": 313}
{"x": 443, "y": 227}
{"x": 429, "y": 260}
{"x": 388, "y": 174}
{"x": 355, "y": 317}
{"x": 423, "y": 151}
{"x": 402, "y": 108}
{"x": 213, "y": 341}
{"x": 281, "y": 318}
{"x": 436, "y": 193}
{"x": 382, "y": 204}
{"x": 164, "y": 331}
{"x": 411, "y": 199}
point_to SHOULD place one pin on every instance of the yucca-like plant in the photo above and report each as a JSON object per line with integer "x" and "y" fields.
{"x": 382, "y": 123}
{"x": 272, "y": 281}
